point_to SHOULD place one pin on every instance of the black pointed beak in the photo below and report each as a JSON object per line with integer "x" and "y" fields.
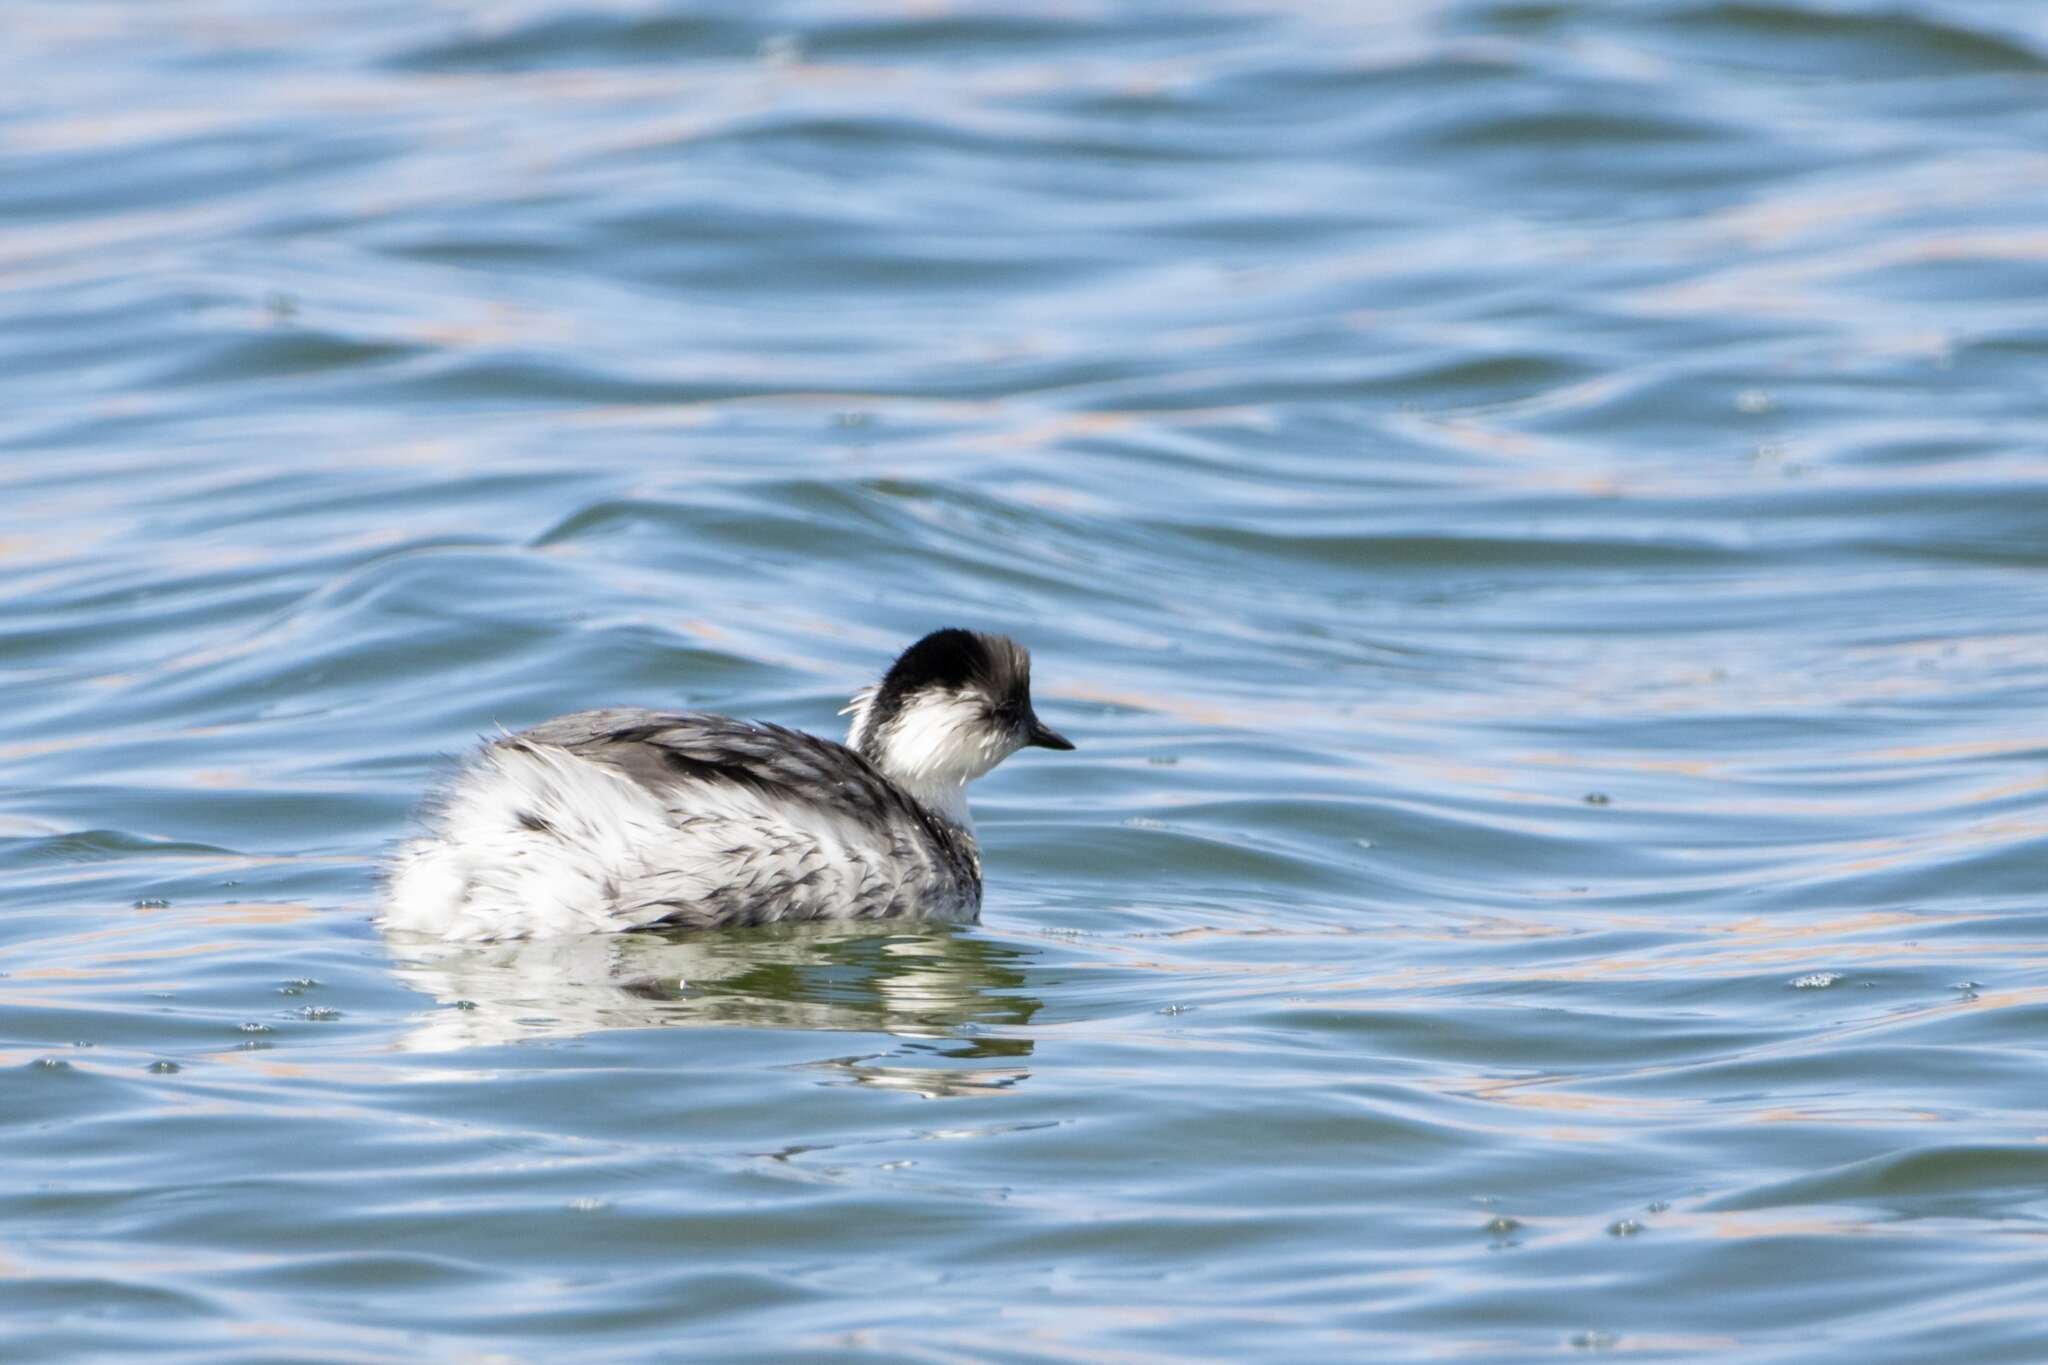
{"x": 1035, "y": 732}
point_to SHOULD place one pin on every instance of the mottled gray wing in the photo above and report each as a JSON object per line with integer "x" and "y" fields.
{"x": 765, "y": 823}
{"x": 662, "y": 750}
{"x": 585, "y": 727}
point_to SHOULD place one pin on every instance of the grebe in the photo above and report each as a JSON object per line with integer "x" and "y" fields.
{"x": 629, "y": 819}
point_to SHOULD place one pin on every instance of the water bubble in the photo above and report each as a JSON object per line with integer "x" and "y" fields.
{"x": 589, "y": 1205}
{"x": 257, "y": 1028}
{"x": 1964, "y": 985}
{"x": 1175, "y": 1009}
{"x": 1815, "y": 981}
{"x": 152, "y": 903}
{"x": 1594, "y": 1341}
{"x": 1500, "y": 1225}
{"x": 1624, "y": 1227}
{"x": 319, "y": 1014}
{"x": 50, "y": 1064}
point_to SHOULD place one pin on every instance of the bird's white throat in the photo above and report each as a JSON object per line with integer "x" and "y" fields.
{"x": 933, "y": 747}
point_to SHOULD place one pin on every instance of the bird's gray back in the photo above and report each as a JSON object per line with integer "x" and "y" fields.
{"x": 764, "y": 823}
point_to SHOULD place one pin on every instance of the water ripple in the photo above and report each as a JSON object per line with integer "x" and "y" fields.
{"x": 1530, "y": 510}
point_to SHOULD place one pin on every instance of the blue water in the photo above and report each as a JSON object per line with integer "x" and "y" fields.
{"x": 1535, "y": 514}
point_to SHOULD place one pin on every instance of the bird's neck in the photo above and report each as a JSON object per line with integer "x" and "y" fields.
{"x": 943, "y": 798}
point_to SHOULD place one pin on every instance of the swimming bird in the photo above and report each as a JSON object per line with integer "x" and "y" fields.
{"x": 631, "y": 819}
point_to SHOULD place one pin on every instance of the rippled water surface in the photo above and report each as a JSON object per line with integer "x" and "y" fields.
{"x": 1535, "y": 514}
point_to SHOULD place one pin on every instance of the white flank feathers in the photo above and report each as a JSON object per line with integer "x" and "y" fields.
{"x": 614, "y": 856}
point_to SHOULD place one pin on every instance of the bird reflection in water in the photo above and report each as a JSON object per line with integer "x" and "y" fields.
{"x": 951, "y": 998}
